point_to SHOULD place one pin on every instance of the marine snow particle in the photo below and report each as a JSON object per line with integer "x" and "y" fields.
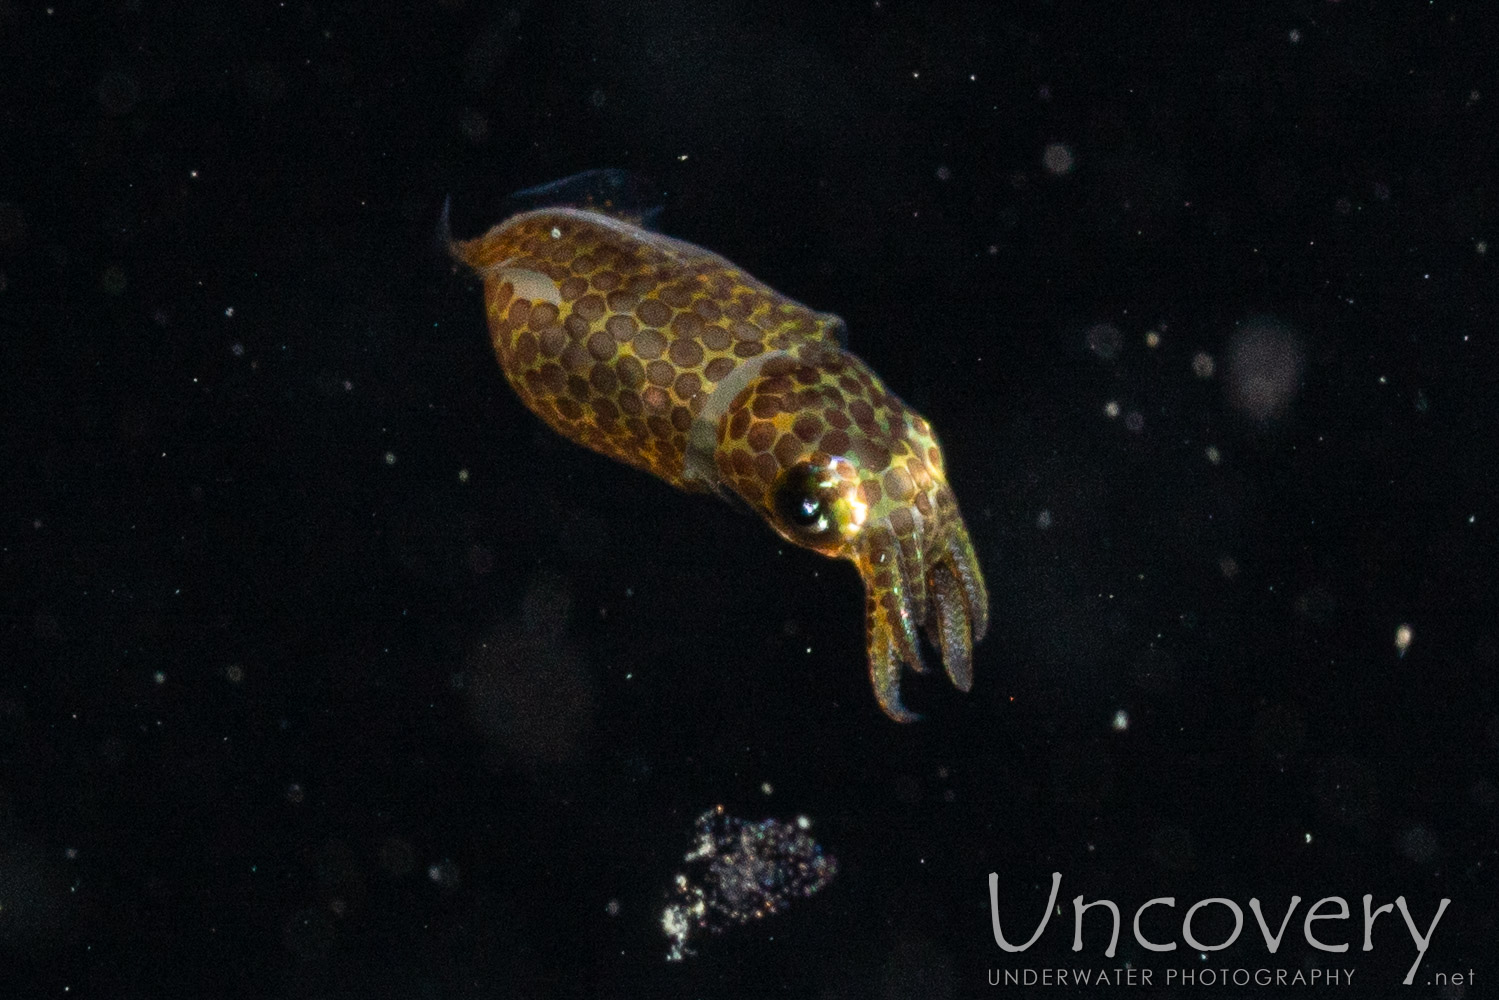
{"x": 473, "y": 124}
{"x": 444, "y": 873}
{"x": 1418, "y": 844}
{"x": 1104, "y": 340}
{"x": 1057, "y": 159}
{"x": 1265, "y": 363}
{"x": 13, "y": 226}
{"x": 118, "y": 92}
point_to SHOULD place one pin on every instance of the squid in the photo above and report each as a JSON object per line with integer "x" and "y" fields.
{"x": 667, "y": 357}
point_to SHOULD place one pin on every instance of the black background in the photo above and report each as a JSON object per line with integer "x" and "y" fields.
{"x": 329, "y": 671}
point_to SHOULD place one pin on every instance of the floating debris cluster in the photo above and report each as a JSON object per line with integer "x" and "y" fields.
{"x": 739, "y": 871}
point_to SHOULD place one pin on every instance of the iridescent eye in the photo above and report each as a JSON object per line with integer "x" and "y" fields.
{"x": 808, "y": 510}
{"x": 799, "y": 503}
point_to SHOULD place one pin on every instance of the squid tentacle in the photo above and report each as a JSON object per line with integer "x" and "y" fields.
{"x": 913, "y": 568}
{"x": 884, "y": 664}
{"x": 963, "y": 560}
{"x": 951, "y": 625}
{"x": 907, "y": 641}
{"x": 913, "y": 600}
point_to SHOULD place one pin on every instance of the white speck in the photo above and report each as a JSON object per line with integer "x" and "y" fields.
{"x": 1295, "y": 36}
{"x": 1307, "y": 837}
{"x": 229, "y": 312}
{"x": 803, "y": 823}
{"x": 612, "y": 907}
{"x": 556, "y": 233}
{"x": 444, "y": 873}
{"x": 765, "y": 788}
{"x": 1403, "y": 636}
{"x": 1481, "y": 246}
{"x": 193, "y": 174}
{"x": 682, "y": 158}
{"x": 390, "y": 458}
{"x": 159, "y": 677}
{"x": 1213, "y": 454}
{"x": 463, "y": 475}
{"x": 1120, "y": 721}
{"x": 1043, "y": 520}
{"x": 1152, "y": 339}
{"x": 1111, "y": 410}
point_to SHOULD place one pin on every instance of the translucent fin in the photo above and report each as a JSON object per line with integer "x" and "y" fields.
{"x": 835, "y": 326}
{"x": 442, "y": 236}
{"x": 613, "y": 192}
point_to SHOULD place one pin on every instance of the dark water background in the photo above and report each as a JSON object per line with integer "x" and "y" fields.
{"x": 327, "y": 671}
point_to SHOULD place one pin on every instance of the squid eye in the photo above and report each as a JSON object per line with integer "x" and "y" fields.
{"x": 799, "y": 503}
{"x": 808, "y": 510}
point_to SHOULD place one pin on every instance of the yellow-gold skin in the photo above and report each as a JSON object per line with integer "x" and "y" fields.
{"x": 670, "y": 358}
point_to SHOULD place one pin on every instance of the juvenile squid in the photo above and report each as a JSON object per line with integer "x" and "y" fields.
{"x": 670, "y": 358}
